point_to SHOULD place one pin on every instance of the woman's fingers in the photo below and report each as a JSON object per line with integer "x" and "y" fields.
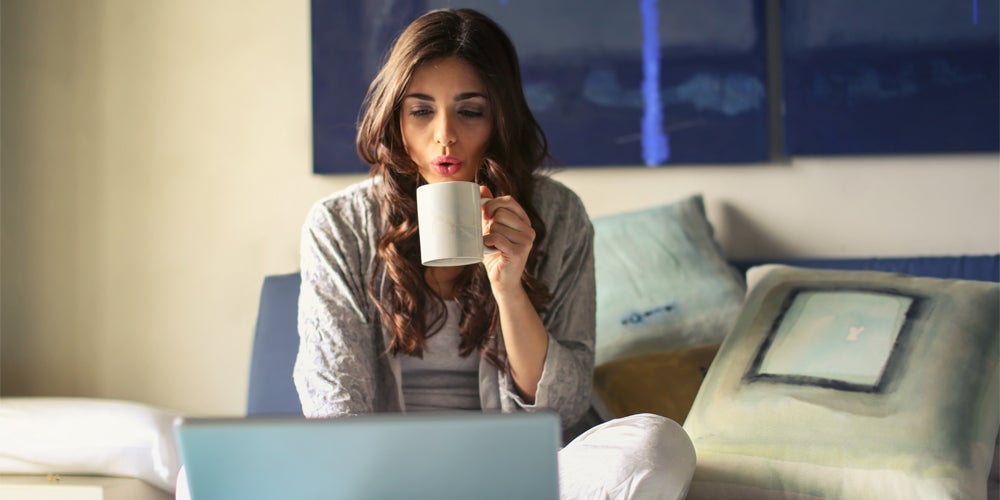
{"x": 507, "y": 219}
{"x": 508, "y": 241}
{"x": 498, "y": 205}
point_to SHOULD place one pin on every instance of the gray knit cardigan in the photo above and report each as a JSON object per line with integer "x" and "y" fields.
{"x": 342, "y": 369}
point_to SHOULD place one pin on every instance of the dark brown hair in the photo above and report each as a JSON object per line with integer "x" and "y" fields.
{"x": 515, "y": 153}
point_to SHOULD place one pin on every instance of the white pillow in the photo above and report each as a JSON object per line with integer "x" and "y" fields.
{"x": 88, "y": 436}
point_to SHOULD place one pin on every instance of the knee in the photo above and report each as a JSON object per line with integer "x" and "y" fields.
{"x": 674, "y": 452}
{"x": 666, "y": 449}
{"x": 644, "y": 456}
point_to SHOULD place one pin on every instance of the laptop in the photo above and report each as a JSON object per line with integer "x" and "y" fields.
{"x": 384, "y": 456}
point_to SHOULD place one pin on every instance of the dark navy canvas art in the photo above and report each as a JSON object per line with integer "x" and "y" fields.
{"x": 642, "y": 82}
{"x": 892, "y": 76}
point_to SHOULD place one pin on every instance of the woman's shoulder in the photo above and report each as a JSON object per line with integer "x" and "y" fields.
{"x": 553, "y": 198}
{"x": 355, "y": 197}
{"x": 358, "y": 192}
{"x": 351, "y": 204}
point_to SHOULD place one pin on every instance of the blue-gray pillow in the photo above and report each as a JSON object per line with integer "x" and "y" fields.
{"x": 662, "y": 281}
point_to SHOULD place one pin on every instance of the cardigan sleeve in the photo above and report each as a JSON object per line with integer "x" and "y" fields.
{"x": 335, "y": 369}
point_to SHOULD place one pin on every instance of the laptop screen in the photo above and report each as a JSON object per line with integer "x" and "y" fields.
{"x": 439, "y": 456}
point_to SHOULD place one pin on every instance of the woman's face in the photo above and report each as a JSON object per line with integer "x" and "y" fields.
{"x": 445, "y": 120}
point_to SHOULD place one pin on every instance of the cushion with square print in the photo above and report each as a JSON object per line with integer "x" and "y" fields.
{"x": 662, "y": 281}
{"x": 851, "y": 384}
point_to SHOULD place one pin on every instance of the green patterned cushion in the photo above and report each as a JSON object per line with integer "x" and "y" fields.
{"x": 851, "y": 384}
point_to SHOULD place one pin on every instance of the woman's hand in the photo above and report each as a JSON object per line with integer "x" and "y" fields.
{"x": 507, "y": 229}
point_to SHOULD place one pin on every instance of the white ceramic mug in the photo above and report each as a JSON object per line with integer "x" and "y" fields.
{"x": 451, "y": 224}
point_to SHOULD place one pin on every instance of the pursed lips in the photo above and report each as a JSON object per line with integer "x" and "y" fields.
{"x": 447, "y": 165}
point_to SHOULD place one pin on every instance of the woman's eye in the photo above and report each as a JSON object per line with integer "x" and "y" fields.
{"x": 420, "y": 112}
{"x": 471, "y": 113}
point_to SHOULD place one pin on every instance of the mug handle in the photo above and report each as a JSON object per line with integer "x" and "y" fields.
{"x": 487, "y": 250}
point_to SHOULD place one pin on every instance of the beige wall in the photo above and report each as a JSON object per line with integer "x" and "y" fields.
{"x": 156, "y": 165}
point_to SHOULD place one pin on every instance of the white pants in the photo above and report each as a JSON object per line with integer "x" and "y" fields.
{"x": 641, "y": 456}
{"x": 637, "y": 457}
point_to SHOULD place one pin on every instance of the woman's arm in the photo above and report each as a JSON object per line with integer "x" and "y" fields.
{"x": 525, "y": 341}
{"x": 563, "y": 378}
{"x": 509, "y": 231}
{"x": 335, "y": 370}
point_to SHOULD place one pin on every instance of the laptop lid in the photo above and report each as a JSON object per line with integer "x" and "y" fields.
{"x": 384, "y": 456}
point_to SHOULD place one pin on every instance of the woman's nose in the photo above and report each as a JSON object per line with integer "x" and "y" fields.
{"x": 443, "y": 133}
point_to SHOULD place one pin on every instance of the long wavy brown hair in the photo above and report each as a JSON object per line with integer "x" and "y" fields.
{"x": 517, "y": 150}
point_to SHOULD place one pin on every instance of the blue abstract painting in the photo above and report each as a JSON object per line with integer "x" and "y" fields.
{"x": 892, "y": 76}
{"x": 644, "y": 82}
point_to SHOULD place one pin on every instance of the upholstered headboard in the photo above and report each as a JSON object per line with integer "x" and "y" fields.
{"x": 271, "y": 391}
{"x": 275, "y": 344}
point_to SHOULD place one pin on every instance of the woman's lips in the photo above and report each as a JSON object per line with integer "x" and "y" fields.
{"x": 447, "y": 165}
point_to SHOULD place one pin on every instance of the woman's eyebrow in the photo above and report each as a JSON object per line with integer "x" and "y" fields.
{"x": 417, "y": 95}
{"x": 460, "y": 97}
{"x": 469, "y": 95}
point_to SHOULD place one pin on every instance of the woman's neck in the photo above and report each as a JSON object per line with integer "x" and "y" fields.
{"x": 442, "y": 280}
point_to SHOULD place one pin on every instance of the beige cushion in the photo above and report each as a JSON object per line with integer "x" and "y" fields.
{"x": 664, "y": 383}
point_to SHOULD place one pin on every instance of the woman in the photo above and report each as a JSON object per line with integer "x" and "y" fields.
{"x": 379, "y": 331}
